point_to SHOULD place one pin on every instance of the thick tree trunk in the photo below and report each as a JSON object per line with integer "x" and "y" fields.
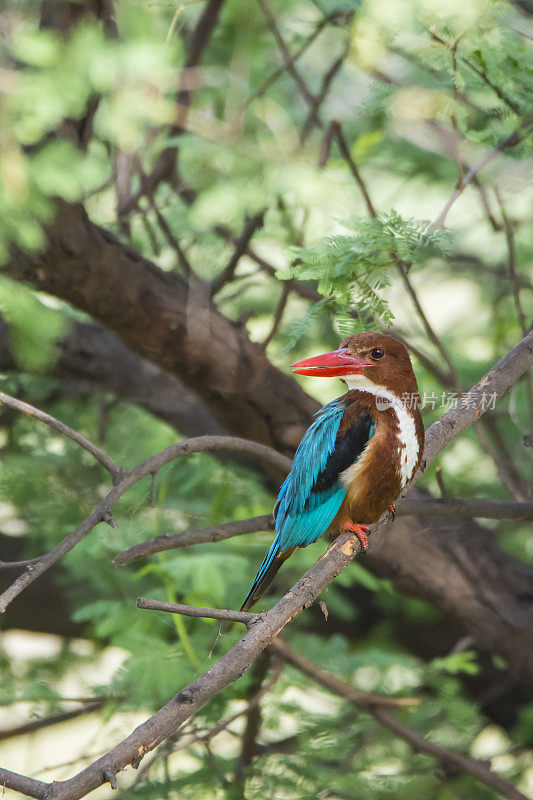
{"x": 171, "y": 323}
{"x": 456, "y": 565}
{"x": 100, "y": 361}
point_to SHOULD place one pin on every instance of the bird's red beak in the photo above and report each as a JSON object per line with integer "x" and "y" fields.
{"x": 332, "y": 365}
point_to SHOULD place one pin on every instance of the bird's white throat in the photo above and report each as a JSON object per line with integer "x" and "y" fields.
{"x": 407, "y": 431}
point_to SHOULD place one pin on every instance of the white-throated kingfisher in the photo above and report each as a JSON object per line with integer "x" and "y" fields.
{"x": 358, "y": 454}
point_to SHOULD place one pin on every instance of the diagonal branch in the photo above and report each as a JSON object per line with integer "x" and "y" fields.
{"x": 102, "y": 512}
{"x": 431, "y": 506}
{"x": 251, "y": 225}
{"x": 510, "y": 141}
{"x": 327, "y": 80}
{"x": 100, "y": 455}
{"x": 165, "y": 168}
{"x": 288, "y": 61}
{"x": 321, "y": 24}
{"x": 213, "y": 533}
{"x": 463, "y": 764}
{"x": 337, "y": 133}
{"x": 269, "y": 624}
{"x": 480, "y": 73}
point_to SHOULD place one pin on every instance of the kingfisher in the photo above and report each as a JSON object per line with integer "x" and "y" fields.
{"x": 357, "y": 455}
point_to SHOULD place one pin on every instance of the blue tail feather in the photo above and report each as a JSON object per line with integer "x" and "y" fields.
{"x": 271, "y": 563}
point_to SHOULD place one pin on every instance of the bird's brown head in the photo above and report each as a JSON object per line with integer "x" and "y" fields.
{"x": 376, "y": 357}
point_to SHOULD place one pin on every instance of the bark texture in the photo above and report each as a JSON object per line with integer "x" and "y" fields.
{"x": 455, "y": 565}
{"x": 100, "y": 361}
{"x": 174, "y": 324}
{"x": 458, "y": 566}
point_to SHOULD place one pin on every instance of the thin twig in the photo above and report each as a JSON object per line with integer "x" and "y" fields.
{"x": 491, "y": 219}
{"x": 101, "y": 512}
{"x": 252, "y": 723}
{"x": 483, "y": 75}
{"x": 285, "y": 291}
{"x": 46, "y": 722}
{"x": 292, "y": 60}
{"x": 213, "y": 533}
{"x": 100, "y": 455}
{"x": 510, "y": 141}
{"x": 464, "y": 764}
{"x": 431, "y": 333}
{"x": 165, "y": 167}
{"x": 509, "y": 236}
{"x": 269, "y": 624}
{"x": 301, "y": 289}
{"x": 288, "y": 62}
{"x": 336, "y": 128}
{"x": 251, "y": 225}
{"x": 472, "y": 508}
{"x": 224, "y": 614}
{"x": 327, "y": 80}
{"x": 173, "y": 241}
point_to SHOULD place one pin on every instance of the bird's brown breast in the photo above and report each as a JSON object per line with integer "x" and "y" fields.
{"x": 387, "y": 463}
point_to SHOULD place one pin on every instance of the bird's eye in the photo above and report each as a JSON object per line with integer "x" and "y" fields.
{"x": 376, "y": 353}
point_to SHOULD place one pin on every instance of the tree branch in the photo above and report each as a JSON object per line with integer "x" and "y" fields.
{"x": 418, "y": 743}
{"x": 252, "y": 723}
{"x": 251, "y": 225}
{"x": 483, "y": 75}
{"x": 165, "y": 167}
{"x": 93, "y": 357}
{"x": 100, "y": 455}
{"x": 510, "y": 141}
{"x": 285, "y": 291}
{"x": 269, "y": 624}
{"x": 213, "y": 533}
{"x": 472, "y": 508}
{"x": 337, "y": 133}
{"x": 321, "y": 95}
{"x": 174, "y": 324}
{"x": 288, "y": 62}
{"x": 102, "y": 512}
{"x": 246, "y": 617}
{"x": 321, "y": 24}
{"x": 92, "y": 705}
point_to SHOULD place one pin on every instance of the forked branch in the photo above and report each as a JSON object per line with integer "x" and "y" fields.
{"x": 266, "y": 626}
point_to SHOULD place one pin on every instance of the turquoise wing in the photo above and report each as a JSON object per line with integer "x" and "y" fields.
{"x": 313, "y": 492}
{"x": 302, "y": 515}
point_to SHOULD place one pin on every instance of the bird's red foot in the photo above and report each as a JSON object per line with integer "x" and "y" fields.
{"x": 358, "y": 530}
{"x": 392, "y": 509}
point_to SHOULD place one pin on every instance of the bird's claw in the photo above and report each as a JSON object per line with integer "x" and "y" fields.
{"x": 360, "y": 531}
{"x": 392, "y": 509}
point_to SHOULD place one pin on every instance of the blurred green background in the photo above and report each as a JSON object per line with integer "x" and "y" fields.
{"x": 415, "y": 113}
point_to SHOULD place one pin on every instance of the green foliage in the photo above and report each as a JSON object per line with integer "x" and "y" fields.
{"x": 240, "y": 159}
{"x": 34, "y": 326}
{"x": 352, "y": 270}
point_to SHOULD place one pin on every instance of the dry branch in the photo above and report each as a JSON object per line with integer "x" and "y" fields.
{"x": 102, "y": 457}
{"x": 101, "y": 513}
{"x": 268, "y": 625}
{"x": 462, "y": 764}
{"x": 227, "y": 615}
{"x": 213, "y": 533}
{"x": 471, "y": 508}
{"x": 510, "y": 141}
